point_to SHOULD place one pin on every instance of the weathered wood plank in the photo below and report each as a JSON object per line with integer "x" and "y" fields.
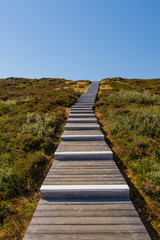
{"x": 82, "y": 182}
{"x": 107, "y": 204}
{"x": 85, "y": 206}
{"x": 91, "y": 213}
{"x": 86, "y": 228}
{"x": 90, "y": 163}
{"x": 88, "y": 177}
{"x": 85, "y": 172}
{"x": 86, "y": 236}
{"x": 92, "y": 170}
{"x": 109, "y": 168}
{"x": 85, "y": 220}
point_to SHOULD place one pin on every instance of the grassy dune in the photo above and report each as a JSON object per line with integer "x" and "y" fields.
{"x": 129, "y": 110}
{"x": 32, "y": 116}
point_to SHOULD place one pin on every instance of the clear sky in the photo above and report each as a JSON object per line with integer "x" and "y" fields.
{"x": 80, "y": 39}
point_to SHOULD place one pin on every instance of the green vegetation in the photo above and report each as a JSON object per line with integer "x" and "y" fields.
{"x": 32, "y": 115}
{"x": 129, "y": 110}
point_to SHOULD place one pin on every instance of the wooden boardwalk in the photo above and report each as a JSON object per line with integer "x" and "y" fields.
{"x": 84, "y": 196}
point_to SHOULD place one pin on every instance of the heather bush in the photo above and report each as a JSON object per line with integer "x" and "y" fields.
{"x": 138, "y": 119}
{"x": 39, "y": 125}
{"x": 9, "y": 102}
{"x": 134, "y": 96}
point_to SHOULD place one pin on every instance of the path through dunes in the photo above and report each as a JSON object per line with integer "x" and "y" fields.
{"x": 84, "y": 196}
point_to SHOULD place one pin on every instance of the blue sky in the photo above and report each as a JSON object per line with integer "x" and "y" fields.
{"x": 80, "y": 39}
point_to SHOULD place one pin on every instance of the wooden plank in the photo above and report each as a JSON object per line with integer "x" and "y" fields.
{"x": 85, "y": 180}
{"x": 84, "y": 167}
{"x": 86, "y": 236}
{"x": 91, "y": 162}
{"x": 85, "y": 220}
{"x": 109, "y": 167}
{"x": 127, "y": 204}
{"x": 91, "y": 213}
{"x": 82, "y": 182}
{"x": 86, "y": 229}
{"x": 84, "y": 162}
{"x": 81, "y": 165}
{"x": 84, "y": 207}
{"x": 81, "y": 148}
{"x": 92, "y": 170}
{"x": 87, "y": 177}
{"x": 82, "y": 143}
{"x": 85, "y": 171}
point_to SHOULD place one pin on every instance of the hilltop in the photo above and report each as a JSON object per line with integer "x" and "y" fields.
{"x": 33, "y": 113}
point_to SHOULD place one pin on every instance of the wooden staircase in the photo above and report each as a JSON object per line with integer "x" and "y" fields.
{"x": 84, "y": 196}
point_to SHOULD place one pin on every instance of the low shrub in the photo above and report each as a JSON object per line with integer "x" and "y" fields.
{"x": 4, "y": 109}
{"x": 24, "y": 177}
{"x": 39, "y": 125}
{"x": 5, "y": 209}
{"x": 134, "y": 96}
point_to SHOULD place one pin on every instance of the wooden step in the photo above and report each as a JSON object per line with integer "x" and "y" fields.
{"x": 81, "y": 120}
{"x": 105, "y": 155}
{"x": 84, "y": 126}
{"x": 81, "y": 115}
{"x": 82, "y": 137}
{"x": 85, "y": 191}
